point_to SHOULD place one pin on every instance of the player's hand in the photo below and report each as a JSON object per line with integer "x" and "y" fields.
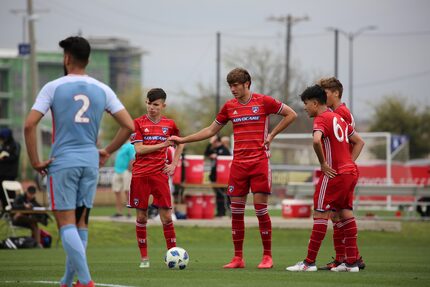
{"x": 168, "y": 143}
{"x": 169, "y": 169}
{"x": 42, "y": 167}
{"x": 176, "y": 139}
{"x": 327, "y": 170}
{"x": 268, "y": 141}
{"x": 103, "y": 156}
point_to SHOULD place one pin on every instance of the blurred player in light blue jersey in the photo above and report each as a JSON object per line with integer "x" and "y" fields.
{"x": 77, "y": 103}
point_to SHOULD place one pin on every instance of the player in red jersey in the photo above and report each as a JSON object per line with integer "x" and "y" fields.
{"x": 250, "y": 169}
{"x": 151, "y": 171}
{"x": 335, "y": 189}
{"x": 334, "y": 89}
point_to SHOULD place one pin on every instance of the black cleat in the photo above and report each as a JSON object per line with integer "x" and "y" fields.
{"x": 331, "y": 265}
{"x": 360, "y": 263}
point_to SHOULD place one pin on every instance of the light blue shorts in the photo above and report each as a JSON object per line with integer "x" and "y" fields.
{"x": 72, "y": 187}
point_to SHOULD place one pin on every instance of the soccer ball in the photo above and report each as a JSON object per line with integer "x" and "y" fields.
{"x": 176, "y": 258}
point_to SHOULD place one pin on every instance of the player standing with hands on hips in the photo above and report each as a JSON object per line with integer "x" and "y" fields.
{"x": 77, "y": 103}
{"x": 334, "y": 89}
{"x": 250, "y": 169}
{"x": 335, "y": 189}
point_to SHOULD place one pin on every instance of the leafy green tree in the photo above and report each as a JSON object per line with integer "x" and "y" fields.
{"x": 393, "y": 115}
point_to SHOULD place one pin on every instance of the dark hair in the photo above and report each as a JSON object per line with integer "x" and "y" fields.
{"x": 78, "y": 48}
{"x": 314, "y": 92}
{"x": 156, "y": 94}
{"x": 31, "y": 189}
{"x": 239, "y": 75}
{"x": 332, "y": 84}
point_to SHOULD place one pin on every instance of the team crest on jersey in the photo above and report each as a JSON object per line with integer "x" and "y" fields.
{"x": 136, "y": 202}
{"x": 255, "y": 109}
{"x": 165, "y": 130}
{"x": 132, "y": 136}
{"x": 230, "y": 188}
{"x": 146, "y": 130}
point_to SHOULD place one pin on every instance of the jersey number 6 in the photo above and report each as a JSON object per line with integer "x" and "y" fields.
{"x": 338, "y": 132}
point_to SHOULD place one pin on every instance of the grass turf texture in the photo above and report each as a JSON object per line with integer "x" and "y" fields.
{"x": 393, "y": 259}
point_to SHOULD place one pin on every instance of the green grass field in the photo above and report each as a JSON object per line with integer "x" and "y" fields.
{"x": 393, "y": 259}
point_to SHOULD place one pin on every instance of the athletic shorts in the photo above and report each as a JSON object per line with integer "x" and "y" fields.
{"x": 142, "y": 187}
{"x": 256, "y": 176}
{"x": 72, "y": 187}
{"x": 335, "y": 193}
{"x": 121, "y": 181}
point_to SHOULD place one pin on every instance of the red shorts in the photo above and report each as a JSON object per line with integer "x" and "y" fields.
{"x": 256, "y": 176}
{"x": 335, "y": 193}
{"x": 142, "y": 187}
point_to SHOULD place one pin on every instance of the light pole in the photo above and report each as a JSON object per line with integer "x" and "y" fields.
{"x": 351, "y": 36}
{"x": 289, "y": 21}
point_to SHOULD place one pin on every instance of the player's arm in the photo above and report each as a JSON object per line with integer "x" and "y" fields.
{"x": 30, "y": 128}
{"x": 357, "y": 145}
{"x": 140, "y": 148}
{"x": 203, "y": 134}
{"x": 125, "y": 121}
{"x": 289, "y": 116}
{"x": 169, "y": 169}
{"x": 325, "y": 168}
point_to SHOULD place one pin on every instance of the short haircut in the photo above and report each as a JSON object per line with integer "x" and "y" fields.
{"x": 78, "y": 48}
{"x": 238, "y": 75}
{"x": 156, "y": 94}
{"x": 332, "y": 84}
{"x": 315, "y": 92}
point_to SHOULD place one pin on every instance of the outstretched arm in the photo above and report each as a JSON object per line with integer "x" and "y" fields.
{"x": 205, "y": 133}
{"x": 289, "y": 116}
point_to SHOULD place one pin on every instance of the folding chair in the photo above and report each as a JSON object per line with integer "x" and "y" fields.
{"x": 6, "y": 216}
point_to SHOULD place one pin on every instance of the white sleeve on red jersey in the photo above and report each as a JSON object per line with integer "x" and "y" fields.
{"x": 222, "y": 117}
{"x": 136, "y": 136}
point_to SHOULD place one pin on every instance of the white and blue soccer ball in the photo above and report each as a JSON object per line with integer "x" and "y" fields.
{"x": 176, "y": 258}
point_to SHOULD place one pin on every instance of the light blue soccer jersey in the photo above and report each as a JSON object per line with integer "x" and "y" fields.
{"x": 123, "y": 157}
{"x": 77, "y": 103}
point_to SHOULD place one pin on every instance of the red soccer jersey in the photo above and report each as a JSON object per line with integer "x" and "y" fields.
{"x": 345, "y": 113}
{"x": 250, "y": 125}
{"x": 335, "y": 141}
{"x": 151, "y": 133}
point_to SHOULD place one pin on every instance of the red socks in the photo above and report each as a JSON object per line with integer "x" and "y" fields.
{"x": 265, "y": 225}
{"x": 169, "y": 234}
{"x": 318, "y": 233}
{"x": 238, "y": 226}
{"x": 349, "y": 227}
{"x": 141, "y": 239}
{"x": 338, "y": 240}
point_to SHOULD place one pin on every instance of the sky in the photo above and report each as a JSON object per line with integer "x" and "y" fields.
{"x": 179, "y": 39}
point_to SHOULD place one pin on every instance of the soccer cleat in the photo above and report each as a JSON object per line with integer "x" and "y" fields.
{"x": 360, "y": 263}
{"x": 344, "y": 267}
{"x": 236, "y": 262}
{"x": 144, "y": 263}
{"x": 302, "y": 266}
{"x": 331, "y": 265}
{"x": 90, "y": 284}
{"x": 266, "y": 262}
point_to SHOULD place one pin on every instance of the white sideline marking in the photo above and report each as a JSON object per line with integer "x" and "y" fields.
{"x": 57, "y": 283}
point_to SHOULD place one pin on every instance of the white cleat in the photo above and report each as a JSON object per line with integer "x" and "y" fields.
{"x": 345, "y": 268}
{"x": 144, "y": 263}
{"x": 302, "y": 267}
